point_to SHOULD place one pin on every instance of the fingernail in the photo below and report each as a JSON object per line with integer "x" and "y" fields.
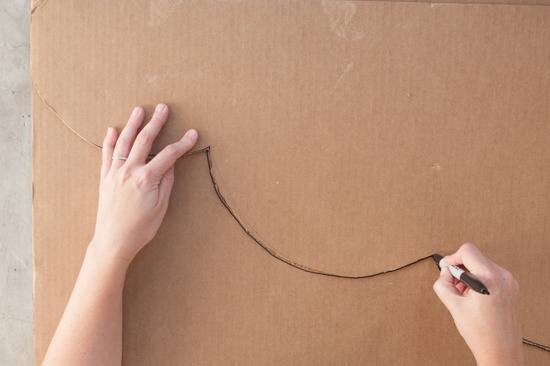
{"x": 136, "y": 111}
{"x": 191, "y": 135}
{"x": 160, "y": 108}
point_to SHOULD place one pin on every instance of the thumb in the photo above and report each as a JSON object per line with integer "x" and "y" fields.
{"x": 445, "y": 289}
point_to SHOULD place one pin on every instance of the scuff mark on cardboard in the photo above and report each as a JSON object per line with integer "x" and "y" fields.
{"x": 343, "y": 71}
{"x": 37, "y": 5}
{"x": 340, "y": 16}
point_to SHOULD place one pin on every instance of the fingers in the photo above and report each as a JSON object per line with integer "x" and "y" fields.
{"x": 461, "y": 287}
{"x": 471, "y": 257}
{"x": 107, "y": 151}
{"x": 446, "y": 290}
{"x": 144, "y": 141}
{"x": 127, "y": 136}
{"x": 165, "y": 159}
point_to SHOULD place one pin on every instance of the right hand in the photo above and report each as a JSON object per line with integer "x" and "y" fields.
{"x": 488, "y": 323}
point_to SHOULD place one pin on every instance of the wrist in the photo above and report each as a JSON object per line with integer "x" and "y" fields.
{"x": 508, "y": 359}
{"x": 104, "y": 258}
{"x": 101, "y": 276}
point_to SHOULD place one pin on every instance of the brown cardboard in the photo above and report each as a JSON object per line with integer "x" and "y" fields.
{"x": 351, "y": 137}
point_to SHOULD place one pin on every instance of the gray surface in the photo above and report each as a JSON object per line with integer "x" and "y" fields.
{"x": 16, "y": 311}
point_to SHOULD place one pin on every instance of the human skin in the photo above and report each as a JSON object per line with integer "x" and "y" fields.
{"x": 489, "y": 324}
{"x": 133, "y": 198}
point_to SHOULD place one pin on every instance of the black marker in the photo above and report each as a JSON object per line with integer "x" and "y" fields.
{"x": 461, "y": 275}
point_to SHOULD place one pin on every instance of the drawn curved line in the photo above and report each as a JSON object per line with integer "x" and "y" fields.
{"x": 272, "y": 252}
{"x": 265, "y": 247}
{"x": 56, "y": 114}
{"x": 531, "y": 343}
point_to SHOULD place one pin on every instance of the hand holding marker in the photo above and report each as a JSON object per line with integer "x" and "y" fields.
{"x": 467, "y": 278}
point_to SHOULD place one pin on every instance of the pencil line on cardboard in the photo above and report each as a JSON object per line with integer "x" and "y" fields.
{"x": 56, "y": 114}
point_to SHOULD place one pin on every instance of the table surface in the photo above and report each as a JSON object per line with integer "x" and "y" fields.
{"x": 16, "y": 310}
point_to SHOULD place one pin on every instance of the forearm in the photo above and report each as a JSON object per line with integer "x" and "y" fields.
{"x": 90, "y": 331}
{"x": 133, "y": 199}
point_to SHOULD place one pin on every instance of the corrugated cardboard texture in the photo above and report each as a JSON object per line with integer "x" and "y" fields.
{"x": 352, "y": 137}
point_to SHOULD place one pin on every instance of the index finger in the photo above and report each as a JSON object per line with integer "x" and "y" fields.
{"x": 470, "y": 257}
{"x": 165, "y": 159}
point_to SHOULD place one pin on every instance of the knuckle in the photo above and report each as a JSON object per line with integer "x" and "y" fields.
{"x": 144, "y": 177}
{"x": 506, "y": 276}
{"x": 109, "y": 176}
{"x": 124, "y": 174}
{"x": 502, "y": 278}
{"x": 493, "y": 274}
{"x": 468, "y": 247}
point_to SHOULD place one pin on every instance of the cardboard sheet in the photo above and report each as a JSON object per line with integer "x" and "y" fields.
{"x": 352, "y": 137}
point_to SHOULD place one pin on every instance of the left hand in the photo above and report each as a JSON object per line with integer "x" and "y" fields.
{"x": 134, "y": 193}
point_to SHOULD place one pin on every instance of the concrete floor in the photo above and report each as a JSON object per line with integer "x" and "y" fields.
{"x": 16, "y": 309}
